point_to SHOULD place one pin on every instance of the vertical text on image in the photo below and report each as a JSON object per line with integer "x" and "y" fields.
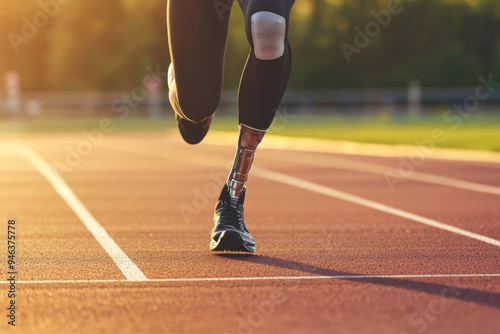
{"x": 11, "y": 271}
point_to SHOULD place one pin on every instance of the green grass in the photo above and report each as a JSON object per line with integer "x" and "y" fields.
{"x": 478, "y": 132}
{"x": 475, "y": 134}
{"x": 481, "y": 132}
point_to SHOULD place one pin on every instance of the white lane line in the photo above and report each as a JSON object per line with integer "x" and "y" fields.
{"x": 320, "y": 189}
{"x": 371, "y": 168}
{"x": 263, "y": 278}
{"x": 128, "y": 268}
{"x": 350, "y": 165}
{"x": 214, "y": 160}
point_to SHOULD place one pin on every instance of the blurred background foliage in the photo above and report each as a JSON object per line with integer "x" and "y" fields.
{"x": 106, "y": 45}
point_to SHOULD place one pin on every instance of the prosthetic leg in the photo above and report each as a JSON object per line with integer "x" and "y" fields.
{"x": 230, "y": 232}
{"x": 248, "y": 141}
{"x": 262, "y": 87}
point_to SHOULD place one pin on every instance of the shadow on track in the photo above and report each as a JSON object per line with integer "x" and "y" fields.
{"x": 443, "y": 290}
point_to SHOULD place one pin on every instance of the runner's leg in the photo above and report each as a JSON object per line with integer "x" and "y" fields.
{"x": 269, "y": 64}
{"x": 263, "y": 82}
{"x": 261, "y": 89}
{"x": 197, "y": 31}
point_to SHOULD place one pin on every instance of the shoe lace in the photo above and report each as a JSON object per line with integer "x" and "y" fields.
{"x": 231, "y": 216}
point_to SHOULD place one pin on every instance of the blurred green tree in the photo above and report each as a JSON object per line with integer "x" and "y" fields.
{"x": 105, "y": 45}
{"x": 97, "y": 45}
{"x": 28, "y": 56}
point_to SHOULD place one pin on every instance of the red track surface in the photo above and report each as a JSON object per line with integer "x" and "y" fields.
{"x": 155, "y": 199}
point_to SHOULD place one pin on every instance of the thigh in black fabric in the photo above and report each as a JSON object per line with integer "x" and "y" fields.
{"x": 197, "y": 31}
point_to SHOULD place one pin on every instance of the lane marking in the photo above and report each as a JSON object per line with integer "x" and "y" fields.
{"x": 124, "y": 263}
{"x": 263, "y": 278}
{"x": 213, "y": 160}
{"x": 345, "y": 164}
{"x": 475, "y": 164}
{"x": 377, "y": 169}
{"x": 320, "y": 189}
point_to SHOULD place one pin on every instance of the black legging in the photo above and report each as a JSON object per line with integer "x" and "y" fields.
{"x": 198, "y": 32}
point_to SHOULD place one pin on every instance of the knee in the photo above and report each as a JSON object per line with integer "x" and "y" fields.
{"x": 268, "y": 31}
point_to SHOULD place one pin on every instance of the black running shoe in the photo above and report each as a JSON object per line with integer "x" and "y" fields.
{"x": 191, "y": 132}
{"x": 230, "y": 232}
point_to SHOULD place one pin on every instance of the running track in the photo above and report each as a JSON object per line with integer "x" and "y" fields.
{"x": 119, "y": 244}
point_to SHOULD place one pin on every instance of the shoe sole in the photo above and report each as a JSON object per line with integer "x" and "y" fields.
{"x": 230, "y": 241}
{"x": 199, "y": 133}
